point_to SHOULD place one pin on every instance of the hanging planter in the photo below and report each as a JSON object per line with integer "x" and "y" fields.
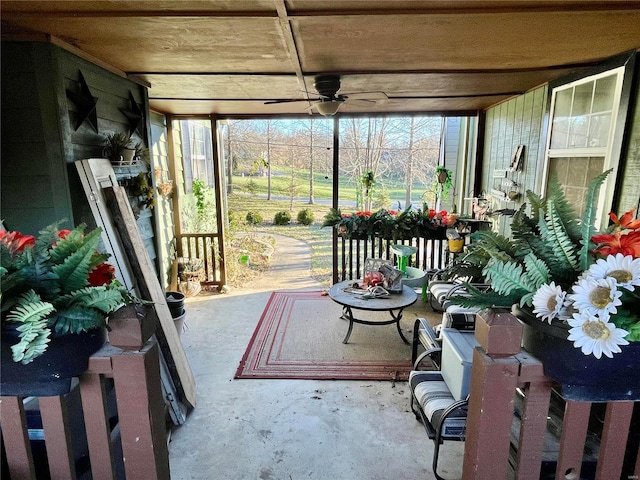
{"x": 50, "y": 374}
{"x": 583, "y": 377}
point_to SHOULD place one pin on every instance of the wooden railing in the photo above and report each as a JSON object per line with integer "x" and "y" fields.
{"x": 208, "y": 249}
{"x": 494, "y": 450}
{"x": 119, "y": 399}
{"x": 432, "y": 254}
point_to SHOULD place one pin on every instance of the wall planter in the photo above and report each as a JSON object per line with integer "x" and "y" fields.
{"x": 582, "y": 377}
{"x": 50, "y": 374}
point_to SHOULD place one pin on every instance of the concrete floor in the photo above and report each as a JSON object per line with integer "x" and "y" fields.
{"x": 291, "y": 429}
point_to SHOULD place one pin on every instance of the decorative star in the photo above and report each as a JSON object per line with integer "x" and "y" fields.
{"x": 85, "y": 104}
{"x": 135, "y": 116}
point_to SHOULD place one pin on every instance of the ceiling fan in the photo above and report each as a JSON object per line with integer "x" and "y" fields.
{"x": 330, "y": 101}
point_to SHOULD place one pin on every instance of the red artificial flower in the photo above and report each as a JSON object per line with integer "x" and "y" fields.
{"x": 626, "y": 220}
{"x": 102, "y": 275}
{"x": 63, "y": 233}
{"x": 612, "y": 244}
{"x": 393, "y": 212}
{"x": 432, "y": 213}
{"x": 16, "y": 242}
{"x": 363, "y": 214}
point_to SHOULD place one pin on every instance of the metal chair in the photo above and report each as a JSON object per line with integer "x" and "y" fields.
{"x": 439, "y": 399}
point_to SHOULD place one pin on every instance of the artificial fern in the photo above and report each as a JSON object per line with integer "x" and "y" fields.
{"x": 102, "y": 298}
{"x": 559, "y": 238}
{"x": 507, "y": 277}
{"x": 587, "y": 228}
{"x": 565, "y": 214}
{"x": 73, "y": 272}
{"x": 77, "y": 319}
{"x": 31, "y": 312}
{"x": 477, "y": 298}
{"x": 46, "y": 285}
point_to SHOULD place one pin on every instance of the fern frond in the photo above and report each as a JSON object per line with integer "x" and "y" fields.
{"x": 105, "y": 299}
{"x": 74, "y": 271}
{"x": 77, "y": 319}
{"x": 537, "y": 271}
{"x": 34, "y": 339}
{"x": 493, "y": 245}
{"x": 507, "y": 277}
{"x": 564, "y": 212}
{"x": 538, "y": 206}
{"x": 48, "y": 236}
{"x": 484, "y": 299}
{"x": 558, "y": 237}
{"x": 587, "y": 227}
{"x": 32, "y": 314}
{"x": 62, "y": 248}
{"x": 29, "y": 308}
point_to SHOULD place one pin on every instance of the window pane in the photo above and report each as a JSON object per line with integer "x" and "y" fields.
{"x": 578, "y": 131}
{"x": 574, "y": 175}
{"x": 582, "y": 99}
{"x": 604, "y": 93}
{"x": 599, "y": 130}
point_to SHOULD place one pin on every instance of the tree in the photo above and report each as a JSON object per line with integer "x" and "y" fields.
{"x": 361, "y": 151}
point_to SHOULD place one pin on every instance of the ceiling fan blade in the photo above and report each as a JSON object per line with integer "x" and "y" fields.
{"x": 374, "y": 96}
{"x": 362, "y": 102}
{"x": 289, "y": 100}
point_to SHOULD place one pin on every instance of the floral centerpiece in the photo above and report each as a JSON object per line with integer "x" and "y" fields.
{"x": 55, "y": 284}
{"x": 563, "y": 270}
{"x": 391, "y": 224}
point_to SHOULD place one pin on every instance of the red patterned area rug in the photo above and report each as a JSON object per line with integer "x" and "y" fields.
{"x": 299, "y": 336}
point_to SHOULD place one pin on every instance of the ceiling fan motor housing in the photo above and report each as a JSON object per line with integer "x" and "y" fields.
{"x": 327, "y": 85}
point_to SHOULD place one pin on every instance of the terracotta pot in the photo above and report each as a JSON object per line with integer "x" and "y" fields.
{"x": 50, "y": 374}
{"x": 582, "y": 377}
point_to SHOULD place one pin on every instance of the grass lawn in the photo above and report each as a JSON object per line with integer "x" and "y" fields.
{"x": 318, "y": 238}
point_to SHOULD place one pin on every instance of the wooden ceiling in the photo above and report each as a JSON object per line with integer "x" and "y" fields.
{"x": 230, "y": 56}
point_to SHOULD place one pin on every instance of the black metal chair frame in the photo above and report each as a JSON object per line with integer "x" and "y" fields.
{"x": 434, "y": 432}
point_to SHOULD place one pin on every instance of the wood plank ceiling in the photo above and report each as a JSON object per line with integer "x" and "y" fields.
{"x": 230, "y": 56}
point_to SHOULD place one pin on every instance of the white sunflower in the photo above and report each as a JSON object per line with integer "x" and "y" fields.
{"x": 548, "y": 302}
{"x": 596, "y": 296}
{"x": 624, "y": 269}
{"x": 595, "y": 336}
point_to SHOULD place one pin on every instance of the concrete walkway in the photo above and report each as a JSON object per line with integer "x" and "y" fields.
{"x": 290, "y": 429}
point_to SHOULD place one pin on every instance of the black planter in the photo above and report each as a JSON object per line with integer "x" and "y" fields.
{"x": 50, "y": 374}
{"x": 582, "y": 377}
{"x": 175, "y": 302}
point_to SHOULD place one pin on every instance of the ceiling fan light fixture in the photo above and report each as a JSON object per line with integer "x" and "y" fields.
{"x": 328, "y": 109}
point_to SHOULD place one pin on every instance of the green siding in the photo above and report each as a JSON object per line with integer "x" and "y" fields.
{"x": 40, "y": 184}
{"x": 519, "y": 121}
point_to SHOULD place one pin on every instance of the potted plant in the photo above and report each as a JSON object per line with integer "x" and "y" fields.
{"x": 119, "y": 148}
{"x": 576, "y": 290}
{"x": 442, "y": 182}
{"x": 57, "y": 292}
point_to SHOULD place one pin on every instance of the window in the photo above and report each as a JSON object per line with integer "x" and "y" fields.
{"x": 583, "y": 117}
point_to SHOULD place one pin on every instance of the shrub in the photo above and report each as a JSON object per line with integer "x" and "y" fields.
{"x": 253, "y": 218}
{"x": 305, "y": 217}
{"x": 252, "y": 187}
{"x": 282, "y": 218}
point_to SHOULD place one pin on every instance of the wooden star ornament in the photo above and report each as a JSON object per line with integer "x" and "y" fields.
{"x": 134, "y": 115}
{"x": 85, "y": 105}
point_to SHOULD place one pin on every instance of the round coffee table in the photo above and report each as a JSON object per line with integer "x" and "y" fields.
{"x": 344, "y": 294}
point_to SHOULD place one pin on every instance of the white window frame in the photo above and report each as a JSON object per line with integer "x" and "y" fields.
{"x": 607, "y": 189}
